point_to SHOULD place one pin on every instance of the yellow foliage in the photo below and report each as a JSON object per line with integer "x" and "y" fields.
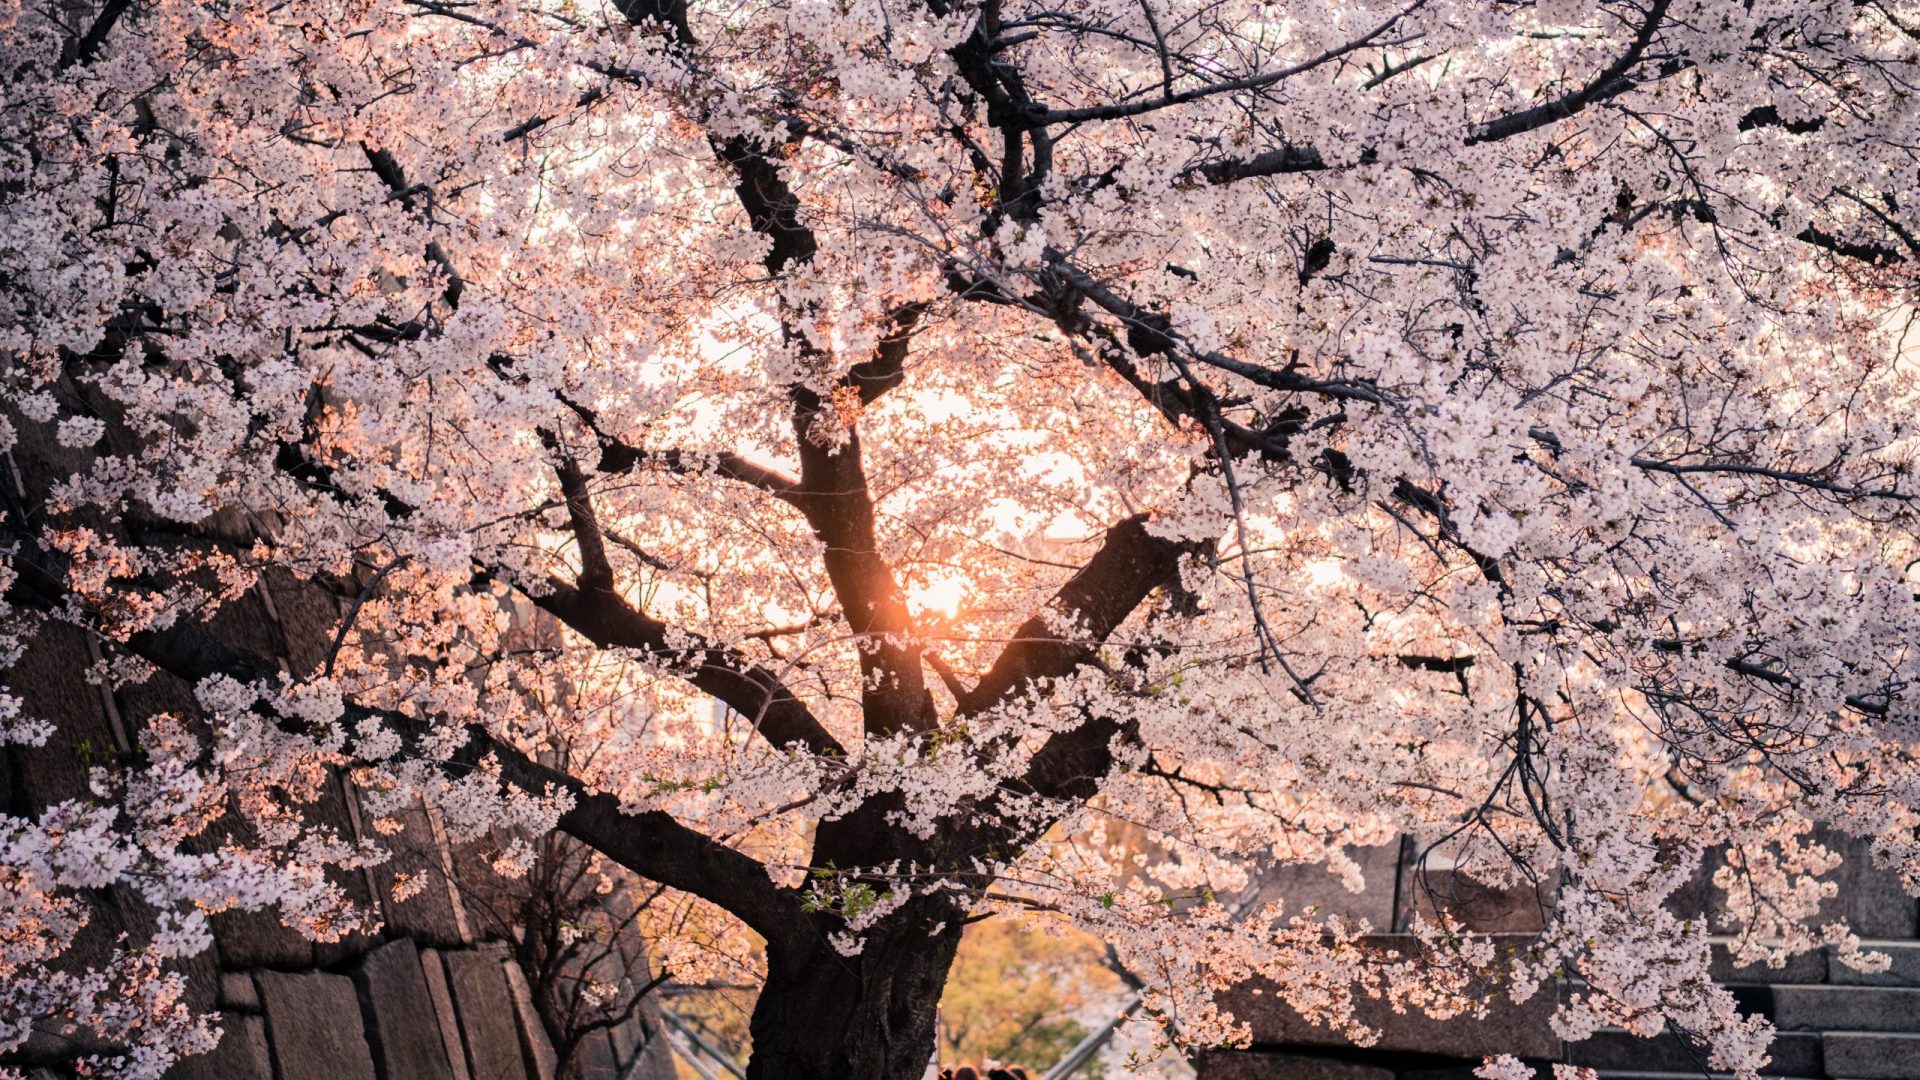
{"x": 1020, "y": 994}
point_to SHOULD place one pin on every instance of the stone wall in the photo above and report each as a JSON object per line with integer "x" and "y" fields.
{"x": 1832, "y": 1021}
{"x": 401, "y": 1012}
{"x": 427, "y": 999}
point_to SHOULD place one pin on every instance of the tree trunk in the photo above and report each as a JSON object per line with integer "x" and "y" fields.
{"x": 823, "y": 1016}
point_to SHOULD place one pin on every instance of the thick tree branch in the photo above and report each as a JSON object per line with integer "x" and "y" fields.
{"x": 601, "y": 616}
{"x": 387, "y": 168}
{"x": 832, "y": 489}
{"x": 1276, "y": 162}
{"x": 594, "y": 608}
{"x": 834, "y": 496}
{"x": 1612, "y": 82}
{"x": 619, "y": 456}
{"x": 1307, "y": 159}
{"x": 1167, "y": 98}
{"x": 652, "y": 844}
{"x": 657, "y": 847}
{"x": 1859, "y": 251}
{"x": 1130, "y": 564}
{"x": 1150, "y": 333}
{"x": 596, "y": 572}
{"x": 772, "y": 208}
{"x": 1816, "y": 480}
{"x": 882, "y": 372}
{"x": 83, "y": 49}
{"x": 1434, "y": 507}
{"x": 1904, "y": 234}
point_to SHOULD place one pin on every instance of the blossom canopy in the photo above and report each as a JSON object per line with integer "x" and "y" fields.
{"x": 1262, "y": 428}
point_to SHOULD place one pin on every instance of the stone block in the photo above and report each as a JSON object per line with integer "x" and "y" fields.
{"x": 428, "y": 916}
{"x": 350, "y": 947}
{"x": 307, "y": 614}
{"x": 445, "y": 1019}
{"x": 404, "y": 1027}
{"x": 1869, "y": 899}
{"x": 241, "y": 1055}
{"x": 1268, "y": 1065}
{"x": 1795, "y": 1053}
{"x": 1845, "y": 1008}
{"x": 484, "y": 1005}
{"x": 257, "y": 939}
{"x": 640, "y": 1046}
{"x": 113, "y": 912}
{"x": 1697, "y": 898}
{"x": 628, "y": 1039}
{"x": 203, "y": 981}
{"x": 1808, "y": 967}
{"x": 1873, "y": 1056}
{"x": 1904, "y": 970}
{"x": 238, "y": 992}
{"x": 158, "y": 693}
{"x": 253, "y": 939}
{"x": 48, "y": 678}
{"x": 488, "y": 900}
{"x": 116, "y": 911}
{"x": 1518, "y": 1028}
{"x": 1479, "y": 907}
{"x": 593, "y": 1058}
{"x": 533, "y": 1034}
{"x": 246, "y": 622}
{"x": 59, "y": 1041}
{"x": 338, "y": 808}
{"x": 314, "y": 1026}
{"x": 656, "y": 1060}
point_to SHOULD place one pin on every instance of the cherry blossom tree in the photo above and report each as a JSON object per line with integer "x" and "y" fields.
{"x": 1274, "y": 427}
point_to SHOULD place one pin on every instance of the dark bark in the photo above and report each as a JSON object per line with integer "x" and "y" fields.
{"x": 603, "y": 617}
{"x": 823, "y": 1016}
{"x": 834, "y": 496}
{"x": 85, "y": 48}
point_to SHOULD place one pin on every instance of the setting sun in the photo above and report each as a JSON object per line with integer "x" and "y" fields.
{"x": 942, "y": 595}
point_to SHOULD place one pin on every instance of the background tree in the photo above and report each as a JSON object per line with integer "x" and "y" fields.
{"x": 1274, "y": 426}
{"x": 575, "y": 924}
{"x": 1019, "y": 995}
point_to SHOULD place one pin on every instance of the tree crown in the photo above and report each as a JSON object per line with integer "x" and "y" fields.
{"x": 1270, "y": 428}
